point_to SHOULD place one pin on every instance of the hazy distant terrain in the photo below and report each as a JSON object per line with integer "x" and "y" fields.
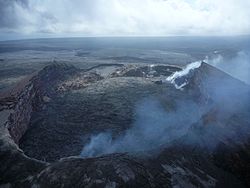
{"x": 20, "y": 58}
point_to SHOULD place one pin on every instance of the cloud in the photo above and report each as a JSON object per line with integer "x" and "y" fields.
{"x": 9, "y": 13}
{"x": 126, "y": 17}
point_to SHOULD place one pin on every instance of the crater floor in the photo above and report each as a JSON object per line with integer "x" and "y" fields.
{"x": 66, "y": 122}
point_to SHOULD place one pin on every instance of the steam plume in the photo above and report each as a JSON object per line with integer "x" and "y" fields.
{"x": 156, "y": 126}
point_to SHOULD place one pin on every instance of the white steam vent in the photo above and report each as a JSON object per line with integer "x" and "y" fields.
{"x": 181, "y": 74}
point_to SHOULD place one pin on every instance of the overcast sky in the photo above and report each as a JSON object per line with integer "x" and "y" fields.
{"x": 59, "y": 18}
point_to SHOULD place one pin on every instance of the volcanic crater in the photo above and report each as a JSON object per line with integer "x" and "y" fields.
{"x": 55, "y": 113}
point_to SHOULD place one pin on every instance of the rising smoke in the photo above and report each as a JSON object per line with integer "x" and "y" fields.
{"x": 155, "y": 126}
{"x": 238, "y": 66}
{"x": 181, "y": 74}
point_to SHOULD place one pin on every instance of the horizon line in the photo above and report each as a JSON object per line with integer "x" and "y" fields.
{"x": 126, "y": 36}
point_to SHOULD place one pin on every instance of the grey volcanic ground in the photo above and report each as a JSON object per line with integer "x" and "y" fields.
{"x": 125, "y": 112}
